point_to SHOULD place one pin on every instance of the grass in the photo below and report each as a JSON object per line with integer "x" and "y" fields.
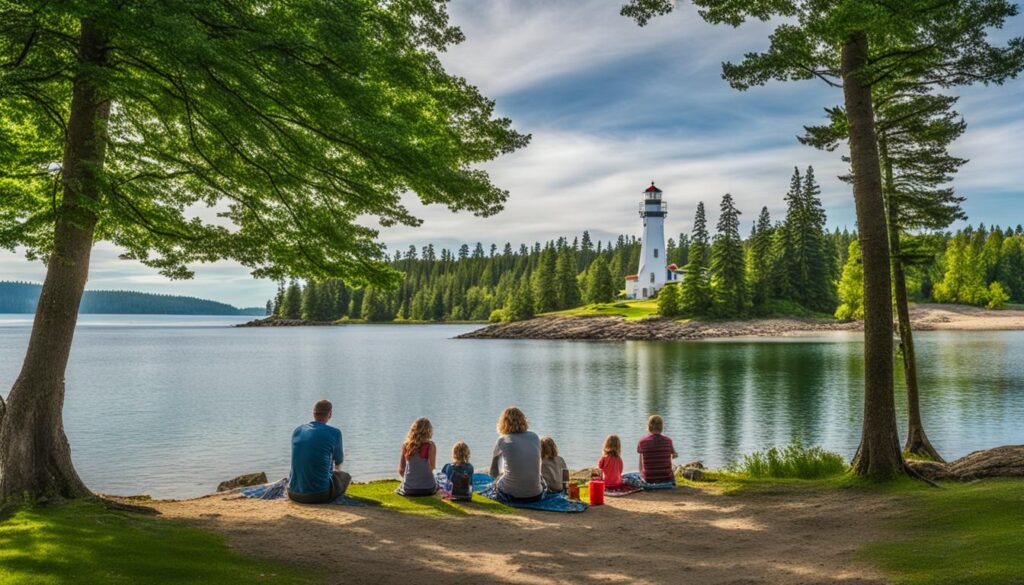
{"x": 792, "y": 462}
{"x": 83, "y": 542}
{"x": 629, "y": 310}
{"x": 382, "y": 494}
{"x": 959, "y": 534}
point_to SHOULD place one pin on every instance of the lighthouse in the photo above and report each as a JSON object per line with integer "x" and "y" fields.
{"x": 653, "y": 273}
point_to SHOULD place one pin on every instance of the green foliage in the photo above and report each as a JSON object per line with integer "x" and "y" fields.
{"x": 83, "y": 542}
{"x": 291, "y": 121}
{"x": 668, "y": 301}
{"x": 794, "y": 461}
{"x": 728, "y": 265}
{"x": 499, "y": 316}
{"x": 695, "y": 296}
{"x": 521, "y": 304}
{"x": 997, "y": 296}
{"x": 760, "y": 259}
{"x": 851, "y": 286}
{"x": 600, "y": 288}
{"x": 545, "y": 285}
{"x": 962, "y": 533}
{"x": 567, "y": 287}
{"x": 292, "y": 306}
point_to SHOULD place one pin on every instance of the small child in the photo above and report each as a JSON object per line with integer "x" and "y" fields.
{"x": 611, "y": 462}
{"x": 553, "y": 470}
{"x": 459, "y": 473}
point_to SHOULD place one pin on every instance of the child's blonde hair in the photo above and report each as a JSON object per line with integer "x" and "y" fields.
{"x": 655, "y": 424}
{"x": 511, "y": 421}
{"x": 613, "y": 446}
{"x": 419, "y": 433}
{"x": 548, "y": 448}
{"x": 460, "y": 452}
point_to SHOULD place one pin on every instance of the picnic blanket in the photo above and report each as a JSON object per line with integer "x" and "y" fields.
{"x": 622, "y": 490}
{"x": 634, "y": 479}
{"x": 278, "y": 490}
{"x": 550, "y": 502}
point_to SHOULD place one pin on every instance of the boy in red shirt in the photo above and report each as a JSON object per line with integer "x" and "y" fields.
{"x": 656, "y": 453}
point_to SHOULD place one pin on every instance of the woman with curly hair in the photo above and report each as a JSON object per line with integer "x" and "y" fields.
{"x": 416, "y": 465}
{"x": 516, "y": 463}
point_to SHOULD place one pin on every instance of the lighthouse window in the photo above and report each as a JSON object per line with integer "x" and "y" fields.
{"x": 652, "y": 277}
{"x": 655, "y": 252}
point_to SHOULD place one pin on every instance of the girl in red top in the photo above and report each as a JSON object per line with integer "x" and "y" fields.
{"x": 611, "y": 463}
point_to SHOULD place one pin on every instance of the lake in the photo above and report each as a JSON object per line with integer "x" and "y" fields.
{"x": 172, "y": 405}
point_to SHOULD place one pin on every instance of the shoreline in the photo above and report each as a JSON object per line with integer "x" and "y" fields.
{"x": 924, "y": 317}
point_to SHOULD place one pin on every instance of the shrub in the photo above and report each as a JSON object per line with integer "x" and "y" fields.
{"x": 499, "y": 316}
{"x": 997, "y": 296}
{"x": 794, "y": 461}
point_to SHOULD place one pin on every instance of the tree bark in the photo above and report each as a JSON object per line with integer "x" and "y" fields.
{"x": 917, "y": 441}
{"x": 35, "y": 459}
{"x": 879, "y": 452}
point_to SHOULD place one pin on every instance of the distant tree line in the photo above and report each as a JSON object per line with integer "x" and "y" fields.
{"x": 21, "y": 297}
{"x": 789, "y": 265}
{"x": 972, "y": 266}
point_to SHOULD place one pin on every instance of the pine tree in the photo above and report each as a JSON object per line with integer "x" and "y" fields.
{"x": 545, "y": 288}
{"x": 668, "y": 301}
{"x": 568, "y": 287}
{"x": 374, "y": 307}
{"x": 695, "y": 297}
{"x": 728, "y": 266}
{"x": 521, "y": 304}
{"x": 293, "y": 301}
{"x": 760, "y": 259}
{"x": 600, "y": 287}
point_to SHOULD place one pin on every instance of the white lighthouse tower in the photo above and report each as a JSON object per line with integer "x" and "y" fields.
{"x": 653, "y": 273}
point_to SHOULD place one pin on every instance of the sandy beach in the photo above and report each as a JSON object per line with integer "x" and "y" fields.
{"x": 687, "y": 535}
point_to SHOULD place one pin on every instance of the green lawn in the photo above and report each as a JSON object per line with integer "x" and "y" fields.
{"x": 958, "y": 534}
{"x": 84, "y": 542}
{"x": 627, "y": 309}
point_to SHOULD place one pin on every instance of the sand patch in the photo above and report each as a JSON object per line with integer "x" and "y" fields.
{"x": 792, "y": 535}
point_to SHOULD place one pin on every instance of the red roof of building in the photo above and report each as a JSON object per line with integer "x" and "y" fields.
{"x": 631, "y": 277}
{"x": 652, "y": 189}
{"x": 672, "y": 266}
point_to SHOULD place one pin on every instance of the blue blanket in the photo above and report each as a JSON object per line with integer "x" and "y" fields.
{"x": 634, "y": 479}
{"x": 484, "y": 485}
{"x": 279, "y": 490}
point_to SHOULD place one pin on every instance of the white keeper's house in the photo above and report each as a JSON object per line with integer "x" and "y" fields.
{"x": 653, "y": 273}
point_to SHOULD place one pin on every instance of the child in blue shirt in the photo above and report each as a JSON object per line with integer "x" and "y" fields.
{"x": 459, "y": 473}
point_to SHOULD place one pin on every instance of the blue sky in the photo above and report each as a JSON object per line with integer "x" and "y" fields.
{"x": 613, "y": 106}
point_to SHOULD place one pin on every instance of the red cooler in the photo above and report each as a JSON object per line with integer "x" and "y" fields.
{"x": 596, "y": 487}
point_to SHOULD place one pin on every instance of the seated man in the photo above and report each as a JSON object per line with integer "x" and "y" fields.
{"x": 656, "y": 453}
{"x": 316, "y": 476}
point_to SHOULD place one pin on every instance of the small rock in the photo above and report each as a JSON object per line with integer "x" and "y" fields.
{"x": 585, "y": 474}
{"x": 695, "y": 465}
{"x": 243, "y": 481}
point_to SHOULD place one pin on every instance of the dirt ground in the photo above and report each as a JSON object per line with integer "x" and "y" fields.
{"x": 687, "y": 535}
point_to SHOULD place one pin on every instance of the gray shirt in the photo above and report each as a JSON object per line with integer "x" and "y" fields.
{"x": 551, "y": 473}
{"x": 517, "y": 465}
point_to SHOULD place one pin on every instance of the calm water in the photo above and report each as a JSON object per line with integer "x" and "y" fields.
{"x": 172, "y": 405}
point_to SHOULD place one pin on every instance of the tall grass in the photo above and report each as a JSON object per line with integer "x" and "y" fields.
{"x": 794, "y": 461}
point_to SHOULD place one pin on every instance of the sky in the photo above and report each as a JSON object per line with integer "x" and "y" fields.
{"x": 611, "y": 107}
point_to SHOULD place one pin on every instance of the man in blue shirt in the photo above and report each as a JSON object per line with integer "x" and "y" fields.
{"x": 316, "y": 476}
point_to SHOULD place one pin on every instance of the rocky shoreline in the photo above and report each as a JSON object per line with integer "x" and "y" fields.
{"x": 609, "y": 328}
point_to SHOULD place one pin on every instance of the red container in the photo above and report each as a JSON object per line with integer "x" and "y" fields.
{"x": 596, "y": 487}
{"x": 574, "y": 491}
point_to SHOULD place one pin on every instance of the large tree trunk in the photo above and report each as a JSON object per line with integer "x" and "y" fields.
{"x": 35, "y": 460}
{"x": 917, "y": 441}
{"x": 879, "y": 452}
